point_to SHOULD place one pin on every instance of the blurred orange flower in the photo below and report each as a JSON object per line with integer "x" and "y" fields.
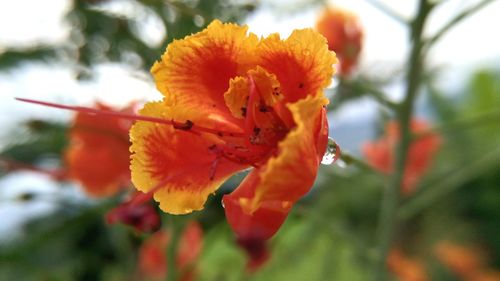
{"x": 98, "y": 153}
{"x": 380, "y": 153}
{"x": 344, "y": 33}
{"x": 142, "y": 216}
{"x": 405, "y": 268}
{"x": 468, "y": 263}
{"x": 152, "y": 254}
{"x": 235, "y": 102}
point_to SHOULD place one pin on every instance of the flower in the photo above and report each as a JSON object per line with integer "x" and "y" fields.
{"x": 235, "y": 102}
{"x": 152, "y": 254}
{"x": 98, "y": 153}
{"x": 405, "y": 268}
{"x": 380, "y": 153}
{"x": 466, "y": 262}
{"x": 141, "y": 216}
{"x": 344, "y": 33}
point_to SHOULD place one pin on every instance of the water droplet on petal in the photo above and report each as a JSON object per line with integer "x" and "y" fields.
{"x": 222, "y": 203}
{"x": 332, "y": 152}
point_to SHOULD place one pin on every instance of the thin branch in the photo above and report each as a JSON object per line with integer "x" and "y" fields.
{"x": 444, "y": 185}
{"x": 388, "y": 11}
{"x": 373, "y": 92}
{"x": 457, "y": 19}
{"x": 350, "y": 159}
{"x": 480, "y": 119}
{"x": 388, "y": 222}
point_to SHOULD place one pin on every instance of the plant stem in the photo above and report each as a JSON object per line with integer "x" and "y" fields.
{"x": 388, "y": 11}
{"x": 449, "y": 183}
{"x": 174, "y": 231}
{"x": 390, "y": 201}
{"x": 473, "y": 121}
{"x": 350, "y": 159}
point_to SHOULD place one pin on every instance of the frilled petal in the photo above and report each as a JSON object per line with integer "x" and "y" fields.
{"x": 197, "y": 69}
{"x": 180, "y": 165}
{"x": 290, "y": 174}
{"x": 302, "y": 63}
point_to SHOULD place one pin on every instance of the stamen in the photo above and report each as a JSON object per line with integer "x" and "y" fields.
{"x": 253, "y": 95}
{"x": 213, "y": 168}
{"x": 176, "y": 125}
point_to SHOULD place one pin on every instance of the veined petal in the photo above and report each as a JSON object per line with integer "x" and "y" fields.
{"x": 302, "y": 63}
{"x": 182, "y": 163}
{"x": 197, "y": 69}
{"x": 290, "y": 174}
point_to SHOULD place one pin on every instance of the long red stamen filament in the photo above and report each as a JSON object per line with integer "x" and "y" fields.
{"x": 188, "y": 126}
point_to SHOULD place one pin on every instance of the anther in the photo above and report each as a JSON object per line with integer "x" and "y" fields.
{"x": 186, "y": 126}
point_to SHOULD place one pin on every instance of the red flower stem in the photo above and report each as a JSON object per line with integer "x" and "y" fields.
{"x": 187, "y": 126}
{"x": 387, "y": 224}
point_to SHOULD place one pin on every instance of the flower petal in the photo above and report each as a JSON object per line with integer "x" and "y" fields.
{"x": 180, "y": 163}
{"x": 263, "y": 222}
{"x": 302, "y": 63}
{"x": 237, "y": 95}
{"x": 197, "y": 69}
{"x": 290, "y": 174}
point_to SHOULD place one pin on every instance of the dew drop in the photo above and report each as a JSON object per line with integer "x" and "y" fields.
{"x": 332, "y": 152}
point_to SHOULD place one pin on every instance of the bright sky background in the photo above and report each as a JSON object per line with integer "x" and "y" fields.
{"x": 470, "y": 45}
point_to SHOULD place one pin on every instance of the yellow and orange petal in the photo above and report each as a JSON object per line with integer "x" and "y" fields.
{"x": 290, "y": 174}
{"x": 196, "y": 71}
{"x": 302, "y": 63}
{"x": 180, "y": 162}
{"x": 344, "y": 34}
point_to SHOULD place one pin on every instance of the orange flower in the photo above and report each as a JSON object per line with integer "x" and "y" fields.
{"x": 344, "y": 33}
{"x": 98, "y": 154}
{"x": 465, "y": 262}
{"x": 152, "y": 258}
{"x": 486, "y": 276}
{"x": 380, "y": 153}
{"x": 235, "y": 102}
{"x": 405, "y": 268}
{"x": 141, "y": 216}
